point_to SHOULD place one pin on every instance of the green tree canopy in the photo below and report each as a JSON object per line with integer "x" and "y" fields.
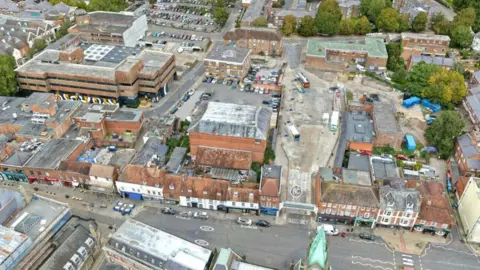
{"x": 417, "y": 78}
{"x": 111, "y": 5}
{"x": 363, "y": 26}
{"x": 307, "y": 27}
{"x": 331, "y": 7}
{"x": 465, "y": 17}
{"x": 260, "y": 22}
{"x": 372, "y": 8}
{"x": 328, "y": 17}
{"x": 461, "y": 36}
{"x": 475, "y": 4}
{"x": 38, "y": 46}
{"x": 446, "y": 86}
{"x": 395, "y": 61}
{"x": 443, "y": 131}
{"x": 220, "y": 13}
{"x": 403, "y": 23}
{"x": 8, "y": 83}
{"x": 439, "y": 24}
{"x": 289, "y": 25}
{"x": 388, "y": 20}
{"x": 400, "y": 76}
{"x": 347, "y": 27}
{"x": 420, "y": 21}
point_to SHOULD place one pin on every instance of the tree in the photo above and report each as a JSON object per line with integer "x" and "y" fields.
{"x": 439, "y": 24}
{"x": 111, "y": 5}
{"x": 400, "y": 76}
{"x": 443, "y": 131}
{"x": 63, "y": 30}
{"x": 446, "y": 86}
{"x": 417, "y": 78}
{"x": 38, "y": 46}
{"x": 461, "y": 37}
{"x": 363, "y": 26}
{"x": 289, "y": 25}
{"x": 420, "y": 21}
{"x": 403, "y": 23}
{"x": 8, "y": 83}
{"x": 269, "y": 155}
{"x": 347, "y": 27}
{"x": 395, "y": 61}
{"x": 372, "y": 8}
{"x": 260, "y": 22}
{"x": 307, "y": 27}
{"x": 475, "y": 4}
{"x": 328, "y": 17}
{"x": 220, "y": 13}
{"x": 465, "y": 17}
{"x": 388, "y": 20}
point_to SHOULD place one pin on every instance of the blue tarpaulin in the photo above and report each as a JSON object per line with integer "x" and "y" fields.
{"x": 410, "y": 142}
{"x": 429, "y": 149}
{"x": 407, "y": 103}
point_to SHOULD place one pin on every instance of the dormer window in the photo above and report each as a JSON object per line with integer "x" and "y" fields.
{"x": 172, "y": 187}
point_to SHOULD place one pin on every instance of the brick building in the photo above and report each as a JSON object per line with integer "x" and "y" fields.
{"x": 467, "y": 153}
{"x": 270, "y": 189}
{"x": 258, "y": 39}
{"x": 231, "y": 127}
{"x": 424, "y": 44}
{"x": 110, "y": 28}
{"x": 99, "y": 73}
{"x": 387, "y": 131}
{"x": 38, "y": 117}
{"x": 398, "y": 207}
{"x": 436, "y": 216}
{"x": 343, "y": 56}
{"x": 279, "y": 15}
{"x": 349, "y": 8}
{"x": 223, "y": 61}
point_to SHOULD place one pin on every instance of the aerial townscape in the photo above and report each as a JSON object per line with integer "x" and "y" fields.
{"x": 239, "y": 134}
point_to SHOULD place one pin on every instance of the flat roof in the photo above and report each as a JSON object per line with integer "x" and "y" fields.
{"x": 359, "y": 127}
{"x": 10, "y": 241}
{"x": 424, "y": 36}
{"x": 126, "y": 115}
{"x": 384, "y": 118}
{"x": 434, "y": 60}
{"x": 176, "y": 159}
{"x": 39, "y": 214}
{"x": 227, "y": 54}
{"x": 153, "y": 146}
{"x": 375, "y": 47}
{"x": 227, "y": 119}
{"x": 383, "y": 168}
{"x": 254, "y": 10}
{"x": 358, "y": 162}
{"x": 272, "y": 171}
{"x": 18, "y": 158}
{"x": 158, "y": 245}
{"x": 52, "y": 153}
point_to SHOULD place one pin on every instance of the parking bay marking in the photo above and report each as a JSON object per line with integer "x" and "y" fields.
{"x": 180, "y": 217}
{"x": 201, "y": 242}
{"x": 206, "y": 228}
{"x": 249, "y": 227}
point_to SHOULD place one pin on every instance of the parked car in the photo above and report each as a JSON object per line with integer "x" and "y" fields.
{"x": 276, "y": 96}
{"x": 386, "y": 156}
{"x": 221, "y": 208}
{"x": 186, "y": 214}
{"x": 261, "y": 91}
{"x": 191, "y": 92}
{"x": 329, "y": 229}
{"x": 365, "y": 153}
{"x": 402, "y": 157}
{"x": 201, "y": 215}
{"x": 365, "y": 236}
{"x": 214, "y": 80}
{"x": 263, "y": 223}
{"x": 186, "y": 97}
{"x": 169, "y": 211}
{"x": 244, "y": 221}
{"x": 266, "y": 102}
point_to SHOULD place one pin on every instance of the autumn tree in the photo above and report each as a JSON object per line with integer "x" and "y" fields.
{"x": 446, "y": 86}
{"x": 307, "y": 27}
{"x": 347, "y": 27}
{"x": 289, "y": 25}
{"x": 363, "y": 26}
{"x": 260, "y": 22}
{"x": 388, "y": 20}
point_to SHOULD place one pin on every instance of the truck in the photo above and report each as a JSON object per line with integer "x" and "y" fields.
{"x": 334, "y": 121}
{"x": 303, "y": 80}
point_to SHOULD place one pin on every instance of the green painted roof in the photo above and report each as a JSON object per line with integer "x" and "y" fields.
{"x": 375, "y": 47}
{"x": 317, "y": 255}
{"x": 222, "y": 258}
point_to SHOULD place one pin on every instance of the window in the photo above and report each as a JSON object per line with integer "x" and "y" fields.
{"x": 235, "y": 194}
{"x": 388, "y": 213}
{"x": 250, "y": 196}
{"x": 433, "y": 224}
{"x": 148, "y": 191}
{"x": 408, "y": 215}
{"x": 31, "y": 173}
{"x": 205, "y": 193}
{"x": 405, "y": 221}
{"x": 233, "y": 203}
{"x": 39, "y": 173}
{"x": 251, "y": 205}
{"x": 385, "y": 220}
{"x": 444, "y": 226}
{"x": 243, "y": 204}
{"x": 422, "y": 221}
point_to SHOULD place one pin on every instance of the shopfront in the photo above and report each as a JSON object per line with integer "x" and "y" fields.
{"x": 18, "y": 176}
{"x": 431, "y": 230}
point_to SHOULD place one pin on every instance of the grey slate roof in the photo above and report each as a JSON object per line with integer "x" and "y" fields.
{"x": 436, "y": 60}
{"x": 222, "y": 53}
{"x": 356, "y": 177}
{"x": 358, "y": 162}
{"x": 176, "y": 159}
{"x": 383, "y": 168}
{"x": 153, "y": 146}
{"x": 384, "y": 118}
{"x": 348, "y": 3}
{"x": 469, "y": 150}
{"x": 399, "y": 199}
{"x": 474, "y": 103}
{"x": 52, "y": 153}
{"x": 226, "y": 119}
{"x": 254, "y": 10}
{"x": 359, "y": 128}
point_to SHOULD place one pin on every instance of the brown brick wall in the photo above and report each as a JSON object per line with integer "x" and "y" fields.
{"x": 419, "y": 47}
{"x": 262, "y": 45}
{"x": 339, "y": 64}
{"x": 244, "y": 144}
{"x": 394, "y": 140}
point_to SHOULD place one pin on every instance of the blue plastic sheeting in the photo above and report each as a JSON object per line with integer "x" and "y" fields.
{"x": 432, "y": 106}
{"x": 411, "y": 145}
{"x": 429, "y": 149}
{"x": 407, "y": 103}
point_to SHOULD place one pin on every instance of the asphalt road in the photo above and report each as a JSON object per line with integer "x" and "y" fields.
{"x": 187, "y": 83}
{"x": 273, "y": 247}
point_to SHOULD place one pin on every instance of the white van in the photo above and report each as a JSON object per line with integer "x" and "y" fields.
{"x": 329, "y": 229}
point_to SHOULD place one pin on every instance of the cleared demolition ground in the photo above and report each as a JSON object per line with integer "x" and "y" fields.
{"x": 305, "y": 111}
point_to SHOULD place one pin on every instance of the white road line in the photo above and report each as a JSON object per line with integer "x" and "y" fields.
{"x": 454, "y": 250}
{"x": 249, "y": 227}
{"x": 373, "y": 266}
{"x": 406, "y": 255}
{"x": 409, "y": 264}
{"x": 372, "y": 260}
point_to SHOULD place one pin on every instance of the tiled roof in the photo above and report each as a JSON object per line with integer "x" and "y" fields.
{"x": 243, "y": 194}
{"x": 349, "y": 194}
{"x": 76, "y": 167}
{"x": 223, "y": 158}
{"x": 436, "y": 208}
{"x": 270, "y": 187}
{"x": 103, "y": 171}
{"x": 205, "y": 188}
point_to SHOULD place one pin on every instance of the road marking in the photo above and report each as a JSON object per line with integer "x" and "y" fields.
{"x": 201, "y": 242}
{"x": 406, "y": 255}
{"x": 372, "y": 260}
{"x": 373, "y": 266}
{"x": 206, "y": 228}
{"x": 454, "y": 250}
{"x": 180, "y": 217}
{"x": 249, "y": 227}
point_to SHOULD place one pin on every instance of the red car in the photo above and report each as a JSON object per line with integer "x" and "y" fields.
{"x": 365, "y": 153}
{"x": 401, "y": 157}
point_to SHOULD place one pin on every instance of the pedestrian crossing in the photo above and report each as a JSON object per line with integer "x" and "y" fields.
{"x": 407, "y": 260}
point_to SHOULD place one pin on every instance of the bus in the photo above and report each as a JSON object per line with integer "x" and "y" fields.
{"x": 334, "y": 121}
{"x": 303, "y": 80}
{"x": 294, "y": 132}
